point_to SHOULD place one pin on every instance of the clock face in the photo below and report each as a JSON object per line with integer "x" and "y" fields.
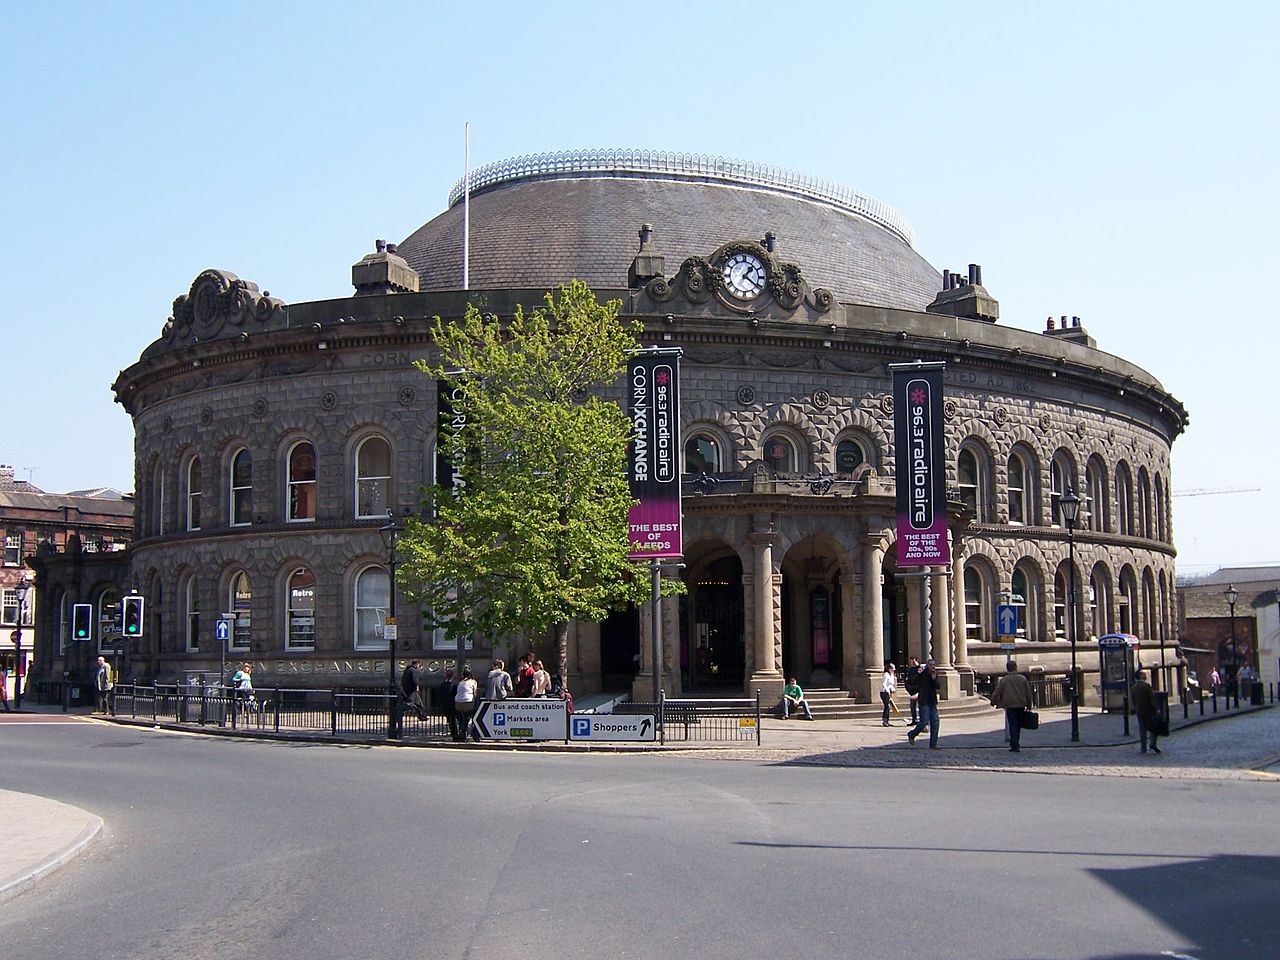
{"x": 744, "y": 276}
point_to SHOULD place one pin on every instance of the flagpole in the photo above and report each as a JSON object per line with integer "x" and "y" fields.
{"x": 466, "y": 209}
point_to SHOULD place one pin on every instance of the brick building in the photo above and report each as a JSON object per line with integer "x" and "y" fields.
{"x": 50, "y": 540}
{"x": 272, "y": 439}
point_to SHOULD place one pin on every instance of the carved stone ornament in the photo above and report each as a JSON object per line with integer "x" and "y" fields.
{"x": 821, "y": 399}
{"x": 746, "y": 396}
{"x": 206, "y": 415}
{"x": 220, "y": 304}
{"x": 949, "y": 409}
{"x": 1045, "y": 420}
{"x": 166, "y": 425}
{"x": 1001, "y": 416}
{"x": 407, "y": 396}
{"x": 701, "y": 278}
{"x": 328, "y": 400}
{"x": 260, "y": 407}
{"x": 886, "y": 405}
{"x": 1081, "y": 429}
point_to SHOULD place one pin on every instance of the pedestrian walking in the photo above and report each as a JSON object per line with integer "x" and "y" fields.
{"x": 411, "y": 687}
{"x": 888, "y": 684}
{"x": 1013, "y": 694}
{"x": 4, "y": 689}
{"x": 928, "y": 705}
{"x": 104, "y": 683}
{"x": 1147, "y": 710}
{"x": 911, "y": 680}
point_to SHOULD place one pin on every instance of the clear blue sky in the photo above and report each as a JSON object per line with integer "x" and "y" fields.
{"x": 1114, "y": 161}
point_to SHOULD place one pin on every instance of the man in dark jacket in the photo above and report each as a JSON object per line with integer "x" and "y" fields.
{"x": 1143, "y": 699}
{"x": 928, "y": 705}
{"x": 911, "y": 680}
{"x": 411, "y": 687}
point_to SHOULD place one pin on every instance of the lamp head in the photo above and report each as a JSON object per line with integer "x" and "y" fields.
{"x": 1070, "y": 504}
{"x": 1232, "y": 595}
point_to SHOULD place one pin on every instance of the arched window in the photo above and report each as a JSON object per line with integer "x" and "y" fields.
{"x": 372, "y": 600}
{"x": 1127, "y": 602}
{"x": 1021, "y": 488}
{"x": 300, "y": 628}
{"x": 302, "y": 482}
{"x": 195, "y": 486}
{"x": 191, "y": 613}
{"x": 969, "y": 481}
{"x": 1124, "y": 502}
{"x": 108, "y": 617}
{"x": 1062, "y": 477}
{"x": 1100, "y": 601}
{"x": 373, "y": 477}
{"x": 780, "y": 453}
{"x": 1162, "y": 528}
{"x": 976, "y": 592}
{"x": 1095, "y": 480}
{"x": 850, "y": 455}
{"x": 240, "y": 603}
{"x": 1149, "y": 621}
{"x": 1144, "y": 527}
{"x": 1020, "y": 599}
{"x": 1060, "y": 592}
{"x": 241, "y": 506}
{"x": 702, "y": 454}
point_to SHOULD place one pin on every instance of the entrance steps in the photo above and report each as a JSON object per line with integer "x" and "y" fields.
{"x": 832, "y": 703}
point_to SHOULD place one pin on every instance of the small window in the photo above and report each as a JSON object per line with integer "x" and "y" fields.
{"x": 780, "y": 454}
{"x": 9, "y": 607}
{"x": 12, "y": 549}
{"x": 301, "y": 628}
{"x": 242, "y": 489}
{"x": 1096, "y": 487}
{"x": 373, "y": 600}
{"x": 192, "y": 605}
{"x": 373, "y": 477}
{"x": 969, "y": 481}
{"x": 975, "y": 628}
{"x": 302, "y": 482}
{"x": 1021, "y": 601}
{"x": 702, "y": 454}
{"x": 849, "y": 455}
{"x": 195, "y": 488}
{"x": 1019, "y": 508}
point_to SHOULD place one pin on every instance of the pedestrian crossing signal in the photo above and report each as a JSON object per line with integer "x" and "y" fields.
{"x": 82, "y": 622}
{"x": 132, "y": 616}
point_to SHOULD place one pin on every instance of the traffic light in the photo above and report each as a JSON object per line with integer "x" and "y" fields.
{"x": 132, "y": 618}
{"x": 81, "y": 622}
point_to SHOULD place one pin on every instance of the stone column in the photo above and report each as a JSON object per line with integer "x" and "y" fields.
{"x": 960, "y": 644}
{"x": 872, "y": 610}
{"x": 940, "y": 610}
{"x": 852, "y": 654}
{"x": 766, "y": 677}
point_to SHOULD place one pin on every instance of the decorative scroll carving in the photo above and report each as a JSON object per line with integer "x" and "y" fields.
{"x": 217, "y": 305}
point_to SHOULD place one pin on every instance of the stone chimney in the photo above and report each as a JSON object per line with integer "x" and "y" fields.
{"x": 648, "y": 262}
{"x": 383, "y": 271}
{"x": 1071, "y": 332}
{"x": 965, "y": 297}
{"x": 6, "y": 474}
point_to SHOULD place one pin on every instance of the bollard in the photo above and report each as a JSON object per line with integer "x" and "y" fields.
{"x": 1202, "y": 705}
{"x": 1186, "y": 707}
{"x": 1215, "y": 699}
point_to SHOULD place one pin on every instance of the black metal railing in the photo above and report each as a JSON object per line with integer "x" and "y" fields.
{"x": 1050, "y": 692}
{"x": 354, "y": 714}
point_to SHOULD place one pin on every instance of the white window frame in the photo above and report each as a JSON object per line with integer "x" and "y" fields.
{"x": 295, "y": 492}
{"x": 1019, "y": 494}
{"x": 13, "y": 543}
{"x": 195, "y": 491}
{"x": 191, "y": 614}
{"x": 292, "y": 612}
{"x": 241, "y": 611}
{"x": 235, "y": 493}
{"x": 374, "y": 508}
{"x": 365, "y": 611}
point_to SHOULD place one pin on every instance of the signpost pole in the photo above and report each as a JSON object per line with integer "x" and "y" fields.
{"x": 655, "y": 631}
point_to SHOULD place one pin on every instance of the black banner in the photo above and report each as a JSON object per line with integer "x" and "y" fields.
{"x": 919, "y": 450}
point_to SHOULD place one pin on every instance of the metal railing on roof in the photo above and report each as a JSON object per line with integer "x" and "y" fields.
{"x": 692, "y": 166}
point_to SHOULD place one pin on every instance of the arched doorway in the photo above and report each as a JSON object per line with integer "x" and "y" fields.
{"x": 712, "y": 649}
{"x": 812, "y": 621}
{"x": 894, "y": 606}
{"x": 620, "y": 648}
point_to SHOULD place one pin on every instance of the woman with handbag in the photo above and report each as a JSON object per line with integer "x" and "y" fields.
{"x": 888, "y": 684}
{"x": 1013, "y": 693}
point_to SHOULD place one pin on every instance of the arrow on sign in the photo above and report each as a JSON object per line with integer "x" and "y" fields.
{"x": 645, "y": 724}
{"x": 1008, "y": 621}
{"x": 481, "y": 717}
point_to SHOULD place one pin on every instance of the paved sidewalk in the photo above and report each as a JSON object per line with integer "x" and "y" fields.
{"x": 41, "y": 836}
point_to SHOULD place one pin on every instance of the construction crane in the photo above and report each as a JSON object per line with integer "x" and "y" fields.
{"x": 1210, "y": 491}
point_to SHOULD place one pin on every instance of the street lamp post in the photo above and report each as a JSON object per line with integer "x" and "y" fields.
{"x": 1232, "y": 595}
{"x": 390, "y": 533}
{"x": 21, "y": 591}
{"x": 1069, "y": 503}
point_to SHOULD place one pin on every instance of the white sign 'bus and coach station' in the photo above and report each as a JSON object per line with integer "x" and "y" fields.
{"x": 547, "y": 718}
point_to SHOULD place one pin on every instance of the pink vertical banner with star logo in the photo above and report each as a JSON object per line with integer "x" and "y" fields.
{"x": 920, "y": 465}
{"x": 653, "y": 458}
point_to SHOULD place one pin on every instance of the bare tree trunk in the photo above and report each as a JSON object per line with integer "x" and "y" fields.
{"x": 562, "y": 651}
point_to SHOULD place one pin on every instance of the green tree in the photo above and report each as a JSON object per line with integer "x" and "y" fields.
{"x": 538, "y": 536}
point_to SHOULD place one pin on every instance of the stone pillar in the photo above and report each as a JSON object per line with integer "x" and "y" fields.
{"x": 941, "y": 613}
{"x": 872, "y": 611}
{"x": 852, "y": 652}
{"x": 960, "y": 643}
{"x": 766, "y": 677}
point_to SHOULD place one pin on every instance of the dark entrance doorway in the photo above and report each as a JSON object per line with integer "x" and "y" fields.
{"x": 712, "y": 653}
{"x": 620, "y": 648}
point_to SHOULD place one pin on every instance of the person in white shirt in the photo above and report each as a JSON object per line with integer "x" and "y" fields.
{"x": 541, "y": 680}
{"x": 888, "y": 684}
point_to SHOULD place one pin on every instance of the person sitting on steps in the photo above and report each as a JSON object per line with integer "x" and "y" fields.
{"x": 793, "y": 699}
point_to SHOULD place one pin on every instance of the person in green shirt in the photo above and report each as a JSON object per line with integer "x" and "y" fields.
{"x": 793, "y": 699}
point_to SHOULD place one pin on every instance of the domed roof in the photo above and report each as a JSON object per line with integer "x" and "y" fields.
{"x": 537, "y": 222}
